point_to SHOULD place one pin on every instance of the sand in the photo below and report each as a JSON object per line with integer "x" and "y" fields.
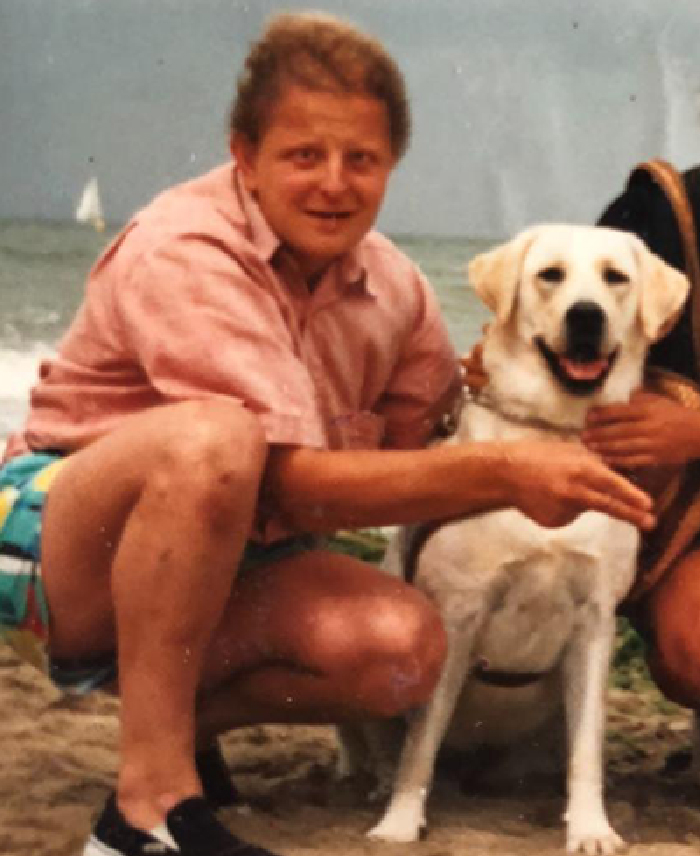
{"x": 59, "y": 759}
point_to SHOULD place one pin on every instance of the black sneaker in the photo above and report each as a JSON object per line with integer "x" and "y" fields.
{"x": 677, "y": 762}
{"x": 213, "y": 772}
{"x": 190, "y": 829}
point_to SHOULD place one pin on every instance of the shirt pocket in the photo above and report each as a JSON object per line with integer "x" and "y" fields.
{"x": 359, "y": 430}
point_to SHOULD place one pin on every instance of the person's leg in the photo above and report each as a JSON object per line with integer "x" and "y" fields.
{"x": 320, "y": 637}
{"x": 673, "y": 610}
{"x": 142, "y": 534}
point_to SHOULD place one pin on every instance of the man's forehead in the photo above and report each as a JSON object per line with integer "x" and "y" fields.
{"x": 297, "y": 109}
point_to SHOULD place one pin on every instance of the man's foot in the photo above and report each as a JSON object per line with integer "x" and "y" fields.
{"x": 190, "y": 829}
{"x": 213, "y": 772}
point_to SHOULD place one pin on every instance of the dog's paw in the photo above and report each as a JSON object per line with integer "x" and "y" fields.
{"x": 391, "y": 832}
{"x": 599, "y": 841}
{"x": 403, "y": 822}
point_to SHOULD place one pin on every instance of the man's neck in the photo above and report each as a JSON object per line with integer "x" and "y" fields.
{"x": 314, "y": 280}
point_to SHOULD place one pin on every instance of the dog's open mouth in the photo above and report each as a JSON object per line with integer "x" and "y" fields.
{"x": 581, "y": 370}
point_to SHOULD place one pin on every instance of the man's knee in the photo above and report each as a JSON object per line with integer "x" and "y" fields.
{"x": 212, "y": 456}
{"x": 675, "y": 615}
{"x": 388, "y": 656}
{"x": 674, "y": 663}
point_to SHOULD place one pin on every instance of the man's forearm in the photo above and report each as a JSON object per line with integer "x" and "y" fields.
{"x": 321, "y": 491}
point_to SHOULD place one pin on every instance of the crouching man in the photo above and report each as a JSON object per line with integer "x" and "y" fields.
{"x": 253, "y": 367}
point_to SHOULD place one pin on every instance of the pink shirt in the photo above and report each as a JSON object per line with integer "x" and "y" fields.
{"x": 196, "y": 299}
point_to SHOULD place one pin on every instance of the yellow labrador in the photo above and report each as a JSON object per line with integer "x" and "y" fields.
{"x": 530, "y": 611}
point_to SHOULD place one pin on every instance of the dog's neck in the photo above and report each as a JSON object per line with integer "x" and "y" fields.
{"x": 520, "y": 413}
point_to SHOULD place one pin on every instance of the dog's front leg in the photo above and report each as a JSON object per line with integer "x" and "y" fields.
{"x": 586, "y": 669}
{"x": 404, "y": 819}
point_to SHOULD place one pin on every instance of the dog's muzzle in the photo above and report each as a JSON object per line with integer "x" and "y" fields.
{"x": 582, "y": 367}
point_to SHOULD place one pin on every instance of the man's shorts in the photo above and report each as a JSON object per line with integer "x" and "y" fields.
{"x": 24, "y": 613}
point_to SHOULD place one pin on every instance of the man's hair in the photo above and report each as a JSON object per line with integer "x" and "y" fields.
{"x": 323, "y": 54}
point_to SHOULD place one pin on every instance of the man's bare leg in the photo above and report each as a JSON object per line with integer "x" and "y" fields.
{"x": 142, "y": 535}
{"x": 143, "y": 532}
{"x": 674, "y": 612}
{"x": 320, "y": 637}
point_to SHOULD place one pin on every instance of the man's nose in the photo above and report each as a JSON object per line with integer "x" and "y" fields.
{"x": 334, "y": 179}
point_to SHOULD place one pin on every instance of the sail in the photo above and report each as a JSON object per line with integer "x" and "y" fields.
{"x": 89, "y": 208}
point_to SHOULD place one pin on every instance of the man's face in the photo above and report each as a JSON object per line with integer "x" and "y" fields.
{"x": 319, "y": 172}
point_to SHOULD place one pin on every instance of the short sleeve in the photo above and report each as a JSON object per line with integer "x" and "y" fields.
{"x": 200, "y": 326}
{"x": 425, "y": 383}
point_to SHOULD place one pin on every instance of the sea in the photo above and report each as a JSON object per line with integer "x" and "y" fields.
{"x": 43, "y": 266}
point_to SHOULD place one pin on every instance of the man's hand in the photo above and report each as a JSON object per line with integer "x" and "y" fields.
{"x": 554, "y": 483}
{"x": 650, "y": 431}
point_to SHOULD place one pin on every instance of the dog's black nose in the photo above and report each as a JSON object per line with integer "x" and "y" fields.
{"x": 584, "y": 323}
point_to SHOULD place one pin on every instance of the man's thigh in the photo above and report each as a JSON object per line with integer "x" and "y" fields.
{"x": 316, "y": 610}
{"x": 93, "y": 497}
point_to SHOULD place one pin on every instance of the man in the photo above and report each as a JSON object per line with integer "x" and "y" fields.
{"x": 251, "y": 367}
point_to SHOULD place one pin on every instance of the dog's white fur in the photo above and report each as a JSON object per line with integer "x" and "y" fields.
{"x": 513, "y": 594}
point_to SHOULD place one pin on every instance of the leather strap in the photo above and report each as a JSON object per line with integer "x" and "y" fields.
{"x": 671, "y": 183}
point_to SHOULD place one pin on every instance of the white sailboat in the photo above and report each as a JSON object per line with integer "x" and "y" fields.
{"x": 89, "y": 208}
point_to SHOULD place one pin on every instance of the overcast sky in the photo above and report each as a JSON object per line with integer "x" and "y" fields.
{"x": 524, "y": 110}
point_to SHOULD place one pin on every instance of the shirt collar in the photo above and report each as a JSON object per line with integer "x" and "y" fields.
{"x": 352, "y": 272}
{"x": 261, "y": 235}
{"x": 351, "y": 268}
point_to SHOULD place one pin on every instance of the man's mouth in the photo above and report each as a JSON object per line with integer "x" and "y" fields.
{"x": 581, "y": 369}
{"x": 330, "y": 216}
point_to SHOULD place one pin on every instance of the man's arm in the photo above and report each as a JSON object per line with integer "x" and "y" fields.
{"x": 321, "y": 491}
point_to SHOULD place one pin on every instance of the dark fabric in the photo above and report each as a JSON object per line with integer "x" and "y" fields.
{"x": 642, "y": 208}
{"x": 219, "y": 790}
{"x": 192, "y": 824}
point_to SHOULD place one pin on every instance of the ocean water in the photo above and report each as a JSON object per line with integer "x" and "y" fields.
{"x": 43, "y": 267}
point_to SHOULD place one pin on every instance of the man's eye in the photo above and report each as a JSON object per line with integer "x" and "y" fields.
{"x": 304, "y": 157}
{"x": 615, "y": 277}
{"x": 553, "y": 274}
{"x": 361, "y": 159}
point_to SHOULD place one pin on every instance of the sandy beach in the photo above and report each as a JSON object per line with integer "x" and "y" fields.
{"x": 59, "y": 763}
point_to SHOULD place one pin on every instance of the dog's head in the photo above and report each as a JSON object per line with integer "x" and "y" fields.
{"x": 581, "y": 298}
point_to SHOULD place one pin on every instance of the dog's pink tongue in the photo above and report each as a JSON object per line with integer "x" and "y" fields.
{"x": 583, "y": 371}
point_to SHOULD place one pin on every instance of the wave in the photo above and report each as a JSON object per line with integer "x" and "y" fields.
{"x": 18, "y": 369}
{"x": 18, "y": 372}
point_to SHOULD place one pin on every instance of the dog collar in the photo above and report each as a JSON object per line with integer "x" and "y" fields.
{"x": 513, "y": 414}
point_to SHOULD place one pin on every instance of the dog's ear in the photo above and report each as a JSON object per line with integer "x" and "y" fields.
{"x": 664, "y": 292}
{"x": 495, "y": 274}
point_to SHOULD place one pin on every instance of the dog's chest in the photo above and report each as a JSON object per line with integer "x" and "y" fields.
{"x": 527, "y": 586}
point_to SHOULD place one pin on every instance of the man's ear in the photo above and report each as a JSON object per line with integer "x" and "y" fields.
{"x": 664, "y": 292}
{"x": 244, "y": 151}
{"x": 495, "y": 274}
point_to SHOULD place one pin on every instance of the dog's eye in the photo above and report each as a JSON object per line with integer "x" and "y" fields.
{"x": 615, "y": 277}
{"x": 552, "y": 274}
